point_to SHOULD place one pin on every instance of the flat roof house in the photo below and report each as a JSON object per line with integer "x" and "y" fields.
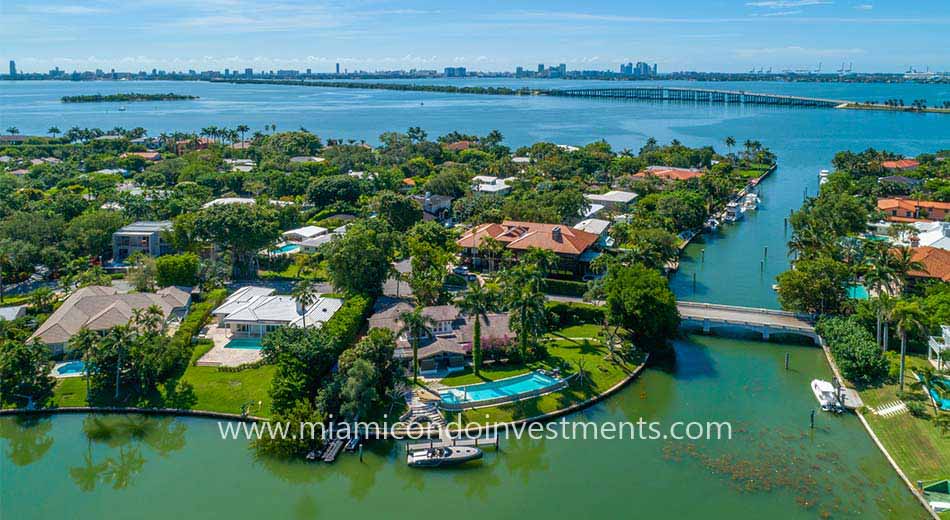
{"x": 614, "y": 199}
{"x": 303, "y": 233}
{"x": 100, "y": 308}
{"x": 254, "y": 311}
{"x": 491, "y": 184}
{"x": 140, "y": 237}
{"x": 434, "y": 207}
{"x": 574, "y": 247}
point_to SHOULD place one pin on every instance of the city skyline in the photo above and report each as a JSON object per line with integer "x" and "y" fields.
{"x": 728, "y": 36}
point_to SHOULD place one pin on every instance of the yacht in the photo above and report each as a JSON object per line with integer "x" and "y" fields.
{"x": 823, "y": 177}
{"x": 711, "y": 224}
{"x": 445, "y": 456}
{"x": 826, "y": 394}
{"x": 734, "y": 212}
{"x": 750, "y": 202}
{"x": 121, "y": 109}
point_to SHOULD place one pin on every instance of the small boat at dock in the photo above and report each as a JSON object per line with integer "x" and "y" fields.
{"x": 827, "y": 395}
{"x": 443, "y": 456}
{"x": 711, "y": 224}
{"x": 750, "y": 202}
{"x": 734, "y": 212}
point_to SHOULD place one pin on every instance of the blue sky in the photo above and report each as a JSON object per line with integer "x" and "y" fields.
{"x": 710, "y": 35}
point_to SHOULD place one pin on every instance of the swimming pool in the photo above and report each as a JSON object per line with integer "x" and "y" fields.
{"x": 69, "y": 369}
{"x": 286, "y": 249}
{"x": 244, "y": 343}
{"x": 942, "y": 402}
{"x": 501, "y": 391}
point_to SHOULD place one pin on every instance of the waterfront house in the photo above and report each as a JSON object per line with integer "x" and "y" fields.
{"x": 100, "y": 308}
{"x": 574, "y": 248}
{"x": 140, "y": 237}
{"x": 897, "y": 209}
{"x": 447, "y": 343}
{"x": 254, "y": 311}
{"x": 459, "y": 146}
{"x": 900, "y": 165}
{"x": 597, "y": 227}
{"x": 938, "y": 351}
{"x": 668, "y": 173}
{"x": 936, "y": 263}
{"x": 184, "y": 145}
{"x": 613, "y": 200}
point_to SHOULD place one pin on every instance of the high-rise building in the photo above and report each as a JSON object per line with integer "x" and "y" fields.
{"x": 12, "y": 69}
{"x": 540, "y": 67}
{"x": 248, "y": 72}
{"x": 337, "y": 68}
{"x": 455, "y": 72}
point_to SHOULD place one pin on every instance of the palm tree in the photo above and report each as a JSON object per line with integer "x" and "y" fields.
{"x": 84, "y": 342}
{"x": 730, "y": 142}
{"x": 524, "y": 298}
{"x": 13, "y": 130}
{"x": 415, "y": 324}
{"x": 476, "y": 303}
{"x": 493, "y": 249}
{"x": 53, "y": 130}
{"x": 242, "y": 129}
{"x": 305, "y": 296}
{"x": 885, "y": 306}
{"x": 901, "y": 262}
{"x": 927, "y": 379}
{"x": 908, "y": 316}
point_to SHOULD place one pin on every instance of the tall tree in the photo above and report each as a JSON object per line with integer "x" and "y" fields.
{"x": 305, "y": 295}
{"x": 415, "y": 324}
{"x": 476, "y": 303}
{"x": 908, "y": 317}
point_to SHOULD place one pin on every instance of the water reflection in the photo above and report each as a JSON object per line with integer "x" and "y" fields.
{"x": 123, "y": 436}
{"x": 28, "y": 438}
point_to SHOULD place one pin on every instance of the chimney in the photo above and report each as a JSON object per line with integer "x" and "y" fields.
{"x": 556, "y": 234}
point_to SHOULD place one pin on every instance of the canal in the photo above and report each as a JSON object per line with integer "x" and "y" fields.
{"x": 774, "y": 465}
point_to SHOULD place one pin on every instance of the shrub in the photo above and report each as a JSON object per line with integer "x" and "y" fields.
{"x": 854, "y": 350}
{"x": 177, "y": 270}
{"x": 191, "y": 325}
{"x": 565, "y": 314}
{"x": 346, "y": 323}
{"x": 917, "y": 409}
{"x": 564, "y": 287}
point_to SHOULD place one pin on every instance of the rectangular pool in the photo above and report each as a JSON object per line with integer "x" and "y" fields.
{"x": 501, "y": 391}
{"x": 245, "y": 343}
{"x": 286, "y": 249}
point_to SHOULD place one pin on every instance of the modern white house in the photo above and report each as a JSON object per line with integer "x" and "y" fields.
{"x": 491, "y": 184}
{"x": 140, "y": 237}
{"x": 296, "y": 236}
{"x": 614, "y": 199}
{"x": 938, "y": 351}
{"x": 254, "y": 311}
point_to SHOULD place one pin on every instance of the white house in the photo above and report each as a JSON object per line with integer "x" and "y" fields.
{"x": 242, "y": 200}
{"x": 614, "y": 199}
{"x": 491, "y": 184}
{"x": 301, "y": 234}
{"x": 255, "y": 311}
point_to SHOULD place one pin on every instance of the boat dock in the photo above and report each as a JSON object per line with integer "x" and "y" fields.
{"x": 478, "y": 442}
{"x": 850, "y": 399}
{"x": 333, "y": 449}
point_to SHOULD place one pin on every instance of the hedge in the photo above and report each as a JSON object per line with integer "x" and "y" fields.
{"x": 566, "y": 314}
{"x": 564, "y": 287}
{"x": 345, "y": 324}
{"x": 197, "y": 317}
{"x": 854, "y": 349}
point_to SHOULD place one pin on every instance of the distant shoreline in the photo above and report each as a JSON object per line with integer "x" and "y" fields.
{"x": 128, "y": 97}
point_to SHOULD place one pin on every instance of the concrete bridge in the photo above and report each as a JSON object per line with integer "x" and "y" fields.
{"x": 763, "y": 321}
{"x": 698, "y": 95}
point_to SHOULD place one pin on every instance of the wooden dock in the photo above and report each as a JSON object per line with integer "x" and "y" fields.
{"x": 333, "y": 450}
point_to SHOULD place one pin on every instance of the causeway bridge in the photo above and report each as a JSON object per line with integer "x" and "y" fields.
{"x": 699, "y": 95}
{"x": 763, "y": 321}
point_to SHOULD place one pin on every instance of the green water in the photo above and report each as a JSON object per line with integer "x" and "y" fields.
{"x": 774, "y": 466}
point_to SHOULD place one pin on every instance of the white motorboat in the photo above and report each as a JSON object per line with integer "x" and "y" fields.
{"x": 711, "y": 224}
{"x": 826, "y": 394}
{"x": 445, "y": 456}
{"x": 734, "y": 212}
{"x": 750, "y": 202}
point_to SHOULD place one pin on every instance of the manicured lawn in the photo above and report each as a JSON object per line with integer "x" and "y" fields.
{"x": 916, "y": 445}
{"x": 220, "y": 391}
{"x": 70, "y": 392}
{"x": 565, "y": 354}
{"x": 487, "y": 373}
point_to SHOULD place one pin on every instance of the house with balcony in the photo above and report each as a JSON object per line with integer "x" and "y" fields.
{"x": 140, "y": 237}
{"x": 938, "y": 351}
{"x": 575, "y": 248}
{"x": 897, "y": 209}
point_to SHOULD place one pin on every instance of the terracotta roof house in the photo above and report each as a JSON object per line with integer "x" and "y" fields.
{"x": 100, "y": 308}
{"x": 936, "y": 263}
{"x": 910, "y": 210}
{"x": 445, "y": 345}
{"x": 148, "y": 156}
{"x": 574, "y": 247}
{"x": 901, "y": 164}
{"x": 669, "y": 173}
{"x": 458, "y": 146}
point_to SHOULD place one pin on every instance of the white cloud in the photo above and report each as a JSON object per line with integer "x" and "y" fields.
{"x": 783, "y": 13}
{"x": 785, "y": 4}
{"x": 66, "y": 9}
{"x": 864, "y": 7}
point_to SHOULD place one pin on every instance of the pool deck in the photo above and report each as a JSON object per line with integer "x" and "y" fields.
{"x": 55, "y": 371}
{"x": 219, "y": 356}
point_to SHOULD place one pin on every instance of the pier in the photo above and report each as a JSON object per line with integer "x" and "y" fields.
{"x": 477, "y": 442}
{"x": 764, "y": 321}
{"x": 699, "y": 95}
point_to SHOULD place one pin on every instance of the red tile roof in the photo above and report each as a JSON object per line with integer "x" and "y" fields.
{"x": 669, "y": 173}
{"x": 936, "y": 263}
{"x": 902, "y": 164}
{"x": 520, "y": 236}
{"x": 458, "y": 146}
{"x": 888, "y": 205}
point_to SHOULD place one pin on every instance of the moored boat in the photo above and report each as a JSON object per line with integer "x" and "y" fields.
{"x": 826, "y": 394}
{"x": 750, "y": 202}
{"x": 444, "y": 456}
{"x": 734, "y": 212}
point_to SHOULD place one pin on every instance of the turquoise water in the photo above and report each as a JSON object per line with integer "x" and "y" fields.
{"x": 72, "y": 367}
{"x": 245, "y": 343}
{"x": 286, "y": 248}
{"x": 858, "y": 292}
{"x": 511, "y": 387}
{"x": 944, "y": 404}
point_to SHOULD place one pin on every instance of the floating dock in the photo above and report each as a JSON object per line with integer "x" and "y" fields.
{"x": 478, "y": 442}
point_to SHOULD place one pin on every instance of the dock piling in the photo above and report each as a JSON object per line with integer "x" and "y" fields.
{"x": 694, "y": 282}
{"x": 813, "y": 419}
{"x": 787, "y": 355}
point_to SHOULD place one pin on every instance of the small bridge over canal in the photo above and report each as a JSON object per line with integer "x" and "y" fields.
{"x": 763, "y": 321}
{"x": 698, "y": 95}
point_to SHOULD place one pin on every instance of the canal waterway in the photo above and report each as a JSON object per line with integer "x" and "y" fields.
{"x": 775, "y": 465}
